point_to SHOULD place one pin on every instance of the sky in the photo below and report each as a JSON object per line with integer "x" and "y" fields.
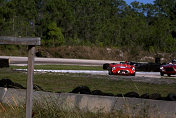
{"x": 141, "y": 1}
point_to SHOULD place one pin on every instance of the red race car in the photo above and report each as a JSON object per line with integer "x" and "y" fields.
{"x": 169, "y": 69}
{"x": 124, "y": 68}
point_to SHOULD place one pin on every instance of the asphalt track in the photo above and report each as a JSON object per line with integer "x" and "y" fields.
{"x": 93, "y": 72}
{"x": 146, "y": 77}
{"x": 58, "y": 61}
{"x": 149, "y": 77}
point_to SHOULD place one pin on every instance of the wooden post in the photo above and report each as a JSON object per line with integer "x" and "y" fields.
{"x": 31, "y": 42}
{"x": 29, "y": 91}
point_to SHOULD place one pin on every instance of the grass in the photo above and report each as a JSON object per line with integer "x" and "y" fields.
{"x": 61, "y": 67}
{"x": 65, "y": 82}
{"x": 51, "y": 111}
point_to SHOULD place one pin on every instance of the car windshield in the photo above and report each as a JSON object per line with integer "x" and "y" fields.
{"x": 119, "y": 66}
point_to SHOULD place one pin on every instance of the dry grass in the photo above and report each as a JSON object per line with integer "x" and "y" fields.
{"x": 90, "y": 52}
{"x": 65, "y": 82}
{"x": 105, "y": 53}
{"x": 49, "y": 110}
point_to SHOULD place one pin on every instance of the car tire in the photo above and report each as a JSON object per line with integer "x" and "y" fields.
{"x": 145, "y": 95}
{"x": 155, "y": 96}
{"x": 171, "y": 97}
{"x": 162, "y": 74}
{"x": 132, "y": 94}
{"x": 133, "y": 74}
{"x": 97, "y": 92}
{"x": 110, "y": 72}
{"x": 81, "y": 90}
{"x": 105, "y": 66}
{"x": 169, "y": 75}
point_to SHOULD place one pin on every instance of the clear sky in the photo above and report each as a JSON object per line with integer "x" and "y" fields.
{"x": 141, "y": 1}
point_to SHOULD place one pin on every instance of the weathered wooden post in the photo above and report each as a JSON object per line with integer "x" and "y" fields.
{"x": 30, "y": 74}
{"x": 31, "y": 42}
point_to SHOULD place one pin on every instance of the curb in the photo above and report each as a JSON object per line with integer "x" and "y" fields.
{"x": 92, "y": 103}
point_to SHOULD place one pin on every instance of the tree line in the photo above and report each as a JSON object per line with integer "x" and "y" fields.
{"x": 104, "y": 23}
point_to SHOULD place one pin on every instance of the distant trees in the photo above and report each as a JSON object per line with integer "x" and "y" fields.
{"x": 150, "y": 27}
{"x": 54, "y": 35}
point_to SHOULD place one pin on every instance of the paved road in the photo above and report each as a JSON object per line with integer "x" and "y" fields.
{"x": 146, "y": 77}
{"x": 105, "y": 72}
{"x": 53, "y": 61}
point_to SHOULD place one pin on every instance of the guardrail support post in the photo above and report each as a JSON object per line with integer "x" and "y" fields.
{"x": 29, "y": 92}
{"x": 31, "y": 42}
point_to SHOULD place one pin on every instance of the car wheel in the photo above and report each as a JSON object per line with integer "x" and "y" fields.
{"x": 169, "y": 75}
{"x": 162, "y": 74}
{"x": 105, "y": 66}
{"x": 110, "y": 71}
{"x": 133, "y": 74}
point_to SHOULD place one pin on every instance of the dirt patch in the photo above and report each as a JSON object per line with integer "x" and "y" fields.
{"x": 90, "y": 52}
{"x": 101, "y": 53}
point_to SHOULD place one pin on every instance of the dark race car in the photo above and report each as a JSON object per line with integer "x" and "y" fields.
{"x": 123, "y": 68}
{"x": 169, "y": 69}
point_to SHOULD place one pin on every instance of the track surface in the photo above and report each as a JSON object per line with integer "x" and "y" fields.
{"x": 146, "y": 77}
{"x": 53, "y": 61}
